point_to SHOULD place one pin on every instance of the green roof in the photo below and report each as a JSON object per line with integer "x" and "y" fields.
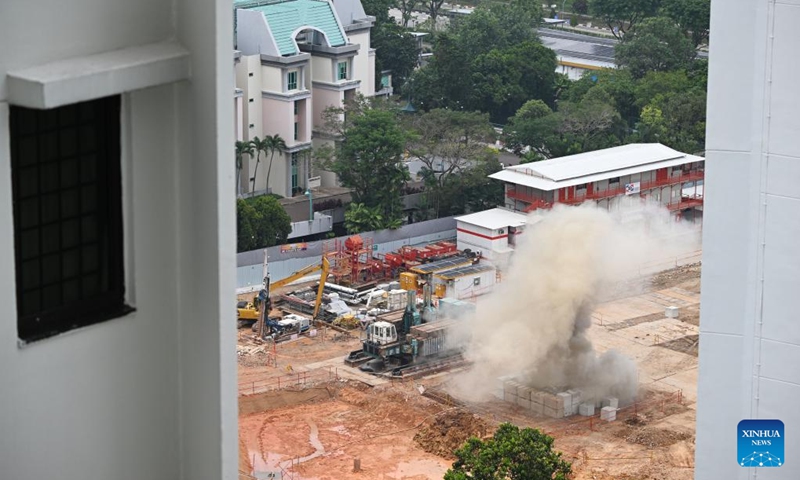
{"x": 285, "y": 18}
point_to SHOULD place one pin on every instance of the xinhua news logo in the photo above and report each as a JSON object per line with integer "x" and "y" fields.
{"x": 760, "y": 443}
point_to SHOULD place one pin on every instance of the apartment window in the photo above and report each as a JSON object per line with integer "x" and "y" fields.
{"x": 295, "y": 107}
{"x": 291, "y": 81}
{"x": 251, "y": 125}
{"x": 250, "y": 74}
{"x": 67, "y": 204}
{"x": 342, "y": 68}
{"x": 294, "y": 171}
{"x": 295, "y": 130}
{"x": 251, "y": 100}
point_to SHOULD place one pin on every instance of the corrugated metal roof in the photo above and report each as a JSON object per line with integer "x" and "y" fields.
{"x": 286, "y": 18}
{"x": 495, "y": 218}
{"x": 441, "y": 265}
{"x": 594, "y": 166}
{"x": 464, "y": 271}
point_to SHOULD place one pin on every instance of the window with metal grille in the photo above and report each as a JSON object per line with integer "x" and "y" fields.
{"x": 67, "y": 202}
{"x": 342, "y": 70}
{"x": 291, "y": 81}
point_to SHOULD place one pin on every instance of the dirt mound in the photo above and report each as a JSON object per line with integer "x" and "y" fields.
{"x": 448, "y": 431}
{"x": 652, "y": 437}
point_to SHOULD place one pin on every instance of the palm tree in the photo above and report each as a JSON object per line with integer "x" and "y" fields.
{"x": 273, "y": 144}
{"x": 242, "y": 149}
{"x": 259, "y": 146}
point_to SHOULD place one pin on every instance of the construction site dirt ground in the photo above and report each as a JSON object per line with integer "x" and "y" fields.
{"x": 321, "y": 423}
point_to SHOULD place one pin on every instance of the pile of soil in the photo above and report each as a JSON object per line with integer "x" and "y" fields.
{"x": 448, "y": 432}
{"x": 676, "y": 276}
{"x": 652, "y": 437}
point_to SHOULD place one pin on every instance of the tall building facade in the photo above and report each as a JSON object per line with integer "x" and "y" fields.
{"x": 749, "y": 364}
{"x": 295, "y": 58}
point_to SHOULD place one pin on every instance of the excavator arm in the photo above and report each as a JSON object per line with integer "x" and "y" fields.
{"x": 324, "y": 266}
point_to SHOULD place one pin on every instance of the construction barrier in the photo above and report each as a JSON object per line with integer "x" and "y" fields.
{"x": 300, "y": 379}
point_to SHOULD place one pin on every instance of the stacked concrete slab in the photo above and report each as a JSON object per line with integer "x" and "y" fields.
{"x": 540, "y": 402}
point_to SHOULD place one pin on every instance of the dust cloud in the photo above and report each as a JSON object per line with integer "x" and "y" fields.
{"x": 535, "y": 322}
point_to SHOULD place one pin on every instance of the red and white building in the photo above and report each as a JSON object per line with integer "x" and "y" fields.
{"x": 490, "y": 232}
{"x": 646, "y": 170}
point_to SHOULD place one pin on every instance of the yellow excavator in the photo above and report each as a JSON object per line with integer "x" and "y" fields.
{"x": 250, "y": 312}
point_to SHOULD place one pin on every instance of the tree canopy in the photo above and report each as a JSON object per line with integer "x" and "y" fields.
{"x": 368, "y": 158}
{"x": 511, "y": 454}
{"x": 656, "y": 45}
{"x": 693, "y": 17}
{"x": 491, "y": 61}
{"x": 395, "y": 48}
{"x": 448, "y": 143}
{"x": 622, "y": 16}
{"x": 261, "y": 222}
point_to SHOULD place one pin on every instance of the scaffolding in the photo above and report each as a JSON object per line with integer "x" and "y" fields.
{"x": 351, "y": 261}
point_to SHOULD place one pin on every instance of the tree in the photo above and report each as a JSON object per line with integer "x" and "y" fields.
{"x": 447, "y": 142}
{"x": 581, "y": 7}
{"x": 261, "y": 222}
{"x": 576, "y": 127}
{"x": 395, "y": 48}
{"x": 361, "y": 218}
{"x": 272, "y": 144}
{"x": 433, "y": 7}
{"x": 368, "y": 159}
{"x": 406, "y": 9}
{"x": 622, "y": 16}
{"x": 259, "y": 146}
{"x": 504, "y": 79}
{"x": 656, "y": 45}
{"x": 511, "y": 454}
{"x": 693, "y": 16}
{"x": 242, "y": 149}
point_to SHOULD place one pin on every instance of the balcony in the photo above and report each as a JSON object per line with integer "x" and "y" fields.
{"x": 613, "y": 192}
{"x": 685, "y": 202}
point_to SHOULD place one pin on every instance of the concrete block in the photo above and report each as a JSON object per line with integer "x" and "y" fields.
{"x": 524, "y": 392}
{"x": 510, "y": 397}
{"x": 510, "y": 387}
{"x": 586, "y": 409}
{"x": 611, "y": 402}
{"x": 577, "y": 396}
{"x": 671, "y": 312}
{"x": 537, "y": 397}
{"x": 608, "y": 414}
{"x": 524, "y": 403}
{"x": 551, "y": 401}
{"x": 564, "y": 400}
{"x": 537, "y": 408}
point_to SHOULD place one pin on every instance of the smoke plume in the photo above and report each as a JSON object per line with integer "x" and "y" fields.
{"x": 535, "y": 322}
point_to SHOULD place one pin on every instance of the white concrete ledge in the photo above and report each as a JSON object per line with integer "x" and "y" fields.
{"x": 96, "y": 76}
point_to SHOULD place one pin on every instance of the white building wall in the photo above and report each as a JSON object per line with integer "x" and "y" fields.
{"x": 153, "y": 394}
{"x": 321, "y": 69}
{"x": 749, "y": 332}
{"x": 361, "y": 63}
{"x": 271, "y": 77}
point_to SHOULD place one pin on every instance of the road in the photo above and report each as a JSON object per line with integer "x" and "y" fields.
{"x": 584, "y": 46}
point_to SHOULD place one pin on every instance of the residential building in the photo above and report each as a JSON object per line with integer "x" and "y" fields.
{"x": 749, "y": 330}
{"x": 116, "y": 192}
{"x": 652, "y": 171}
{"x": 298, "y": 57}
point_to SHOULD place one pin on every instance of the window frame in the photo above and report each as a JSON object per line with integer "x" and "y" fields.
{"x": 104, "y": 184}
{"x": 341, "y": 68}
{"x": 291, "y": 80}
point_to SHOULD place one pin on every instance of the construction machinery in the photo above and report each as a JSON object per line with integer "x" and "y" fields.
{"x": 252, "y": 312}
{"x": 400, "y": 338}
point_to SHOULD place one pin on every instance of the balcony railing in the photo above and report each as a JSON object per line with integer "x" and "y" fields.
{"x": 536, "y": 203}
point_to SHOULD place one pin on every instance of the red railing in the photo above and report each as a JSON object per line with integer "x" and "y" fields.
{"x": 537, "y": 203}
